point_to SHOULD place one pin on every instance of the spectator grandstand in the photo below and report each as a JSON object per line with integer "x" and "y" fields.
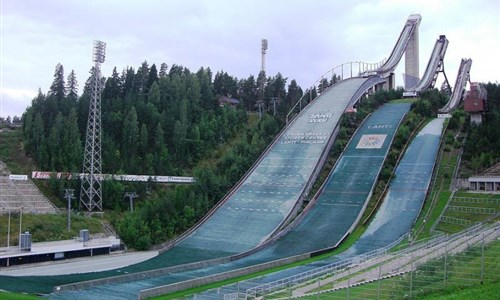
{"x": 22, "y": 195}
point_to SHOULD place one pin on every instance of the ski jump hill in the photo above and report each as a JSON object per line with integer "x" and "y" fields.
{"x": 250, "y": 223}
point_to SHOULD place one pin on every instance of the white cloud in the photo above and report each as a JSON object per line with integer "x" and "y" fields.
{"x": 13, "y": 102}
{"x": 306, "y": 38}
{"x": 17, "y": 93}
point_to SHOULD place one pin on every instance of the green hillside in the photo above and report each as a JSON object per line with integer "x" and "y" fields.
{"x": 170, "y": 122}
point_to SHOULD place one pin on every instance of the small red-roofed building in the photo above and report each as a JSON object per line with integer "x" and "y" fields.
{"x": 475, "y": 102}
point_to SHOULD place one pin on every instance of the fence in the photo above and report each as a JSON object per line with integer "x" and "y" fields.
{"x": 470, "y": 200}
{"x": 322, "y": 271}
{"x": 476, "y": 264}
{"x": 373, "y": 274}
{"x": 452, "y": 220}
{"x": 343, "y": 71}
{"x": 469, "y": 209}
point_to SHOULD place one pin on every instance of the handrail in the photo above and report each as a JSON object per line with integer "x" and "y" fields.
{"x": 400, "y": 47}
{"x": 363, "y": 67}
{"x": 265, "y": 288}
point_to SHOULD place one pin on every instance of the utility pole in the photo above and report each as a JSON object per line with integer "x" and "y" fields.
{"x": 8, "y": 232}
{"x": 20, "y": 225}
{"x": 131, "y": 196}
{"x": 260, "y": 105}
{"x": 68, "y": 194}
{"x": 274, "y": 100}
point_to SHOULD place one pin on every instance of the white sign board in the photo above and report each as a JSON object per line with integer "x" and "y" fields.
{"x": 18, "y": 177}
{"x": 371, "y": 141}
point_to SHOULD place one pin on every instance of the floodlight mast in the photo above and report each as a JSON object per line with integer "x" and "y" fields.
{"x": 263, "y": 53}
{"x": 99, "y": 54}
{"x": 91, "y": 188}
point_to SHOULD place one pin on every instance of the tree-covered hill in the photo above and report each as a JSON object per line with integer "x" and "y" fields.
{"x": 159, "y": 122}
{"x": 154, "y": 122}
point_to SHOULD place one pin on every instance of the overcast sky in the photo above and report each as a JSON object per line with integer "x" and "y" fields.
{"x": 306, "y": 37}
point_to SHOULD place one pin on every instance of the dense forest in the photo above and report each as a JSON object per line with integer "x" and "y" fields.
{"x": 159, "y": 122}
{"x": 154, "y": 122}
{"x": 482, "y": 148}
{"x": 170, "y": 122}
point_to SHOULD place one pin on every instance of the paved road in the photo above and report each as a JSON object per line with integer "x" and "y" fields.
{"x": 79, "y": 265}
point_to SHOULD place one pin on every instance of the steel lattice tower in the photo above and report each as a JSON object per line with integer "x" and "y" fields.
{"x": 91, "y": 189}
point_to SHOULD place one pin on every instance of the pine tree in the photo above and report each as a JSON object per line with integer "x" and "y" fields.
{"x": 87, "y": 88}
{"x": 143, "y": 141}
{"x": 180, "y": 132}
{"x": 58, "y": 89}
{"x": 141, "y": 79}
{"x": 154, "y": 94}
{"x": 159, "y": 139}
{"x": 54, "y": 144}
{"x": 208, "y": 100}
{"x": 261, "y": 81}
{"x": 71, "y": 143}
{"x": 38, "y": 141}
{"x": 335, "y": 78}
{"x": 294, "y": 93}
{"x": 152, "y": 77}
{"x": 112, "y": 87}
{"x": 72, "y": 91}
{"x": 176, "y": 70}
{"x": 28, "y": 130}
{"x": 130, "y": 140}
{"x": 249, "y": 93}
{"x": 127, "y": 79}
{"x": 163, "y": 70}
{"x": 225, "y": 85}
{"x": 323, "y": 85}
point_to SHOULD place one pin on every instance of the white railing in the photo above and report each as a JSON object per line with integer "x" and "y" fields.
{"x": 270, "y": 287}
{"x": 321, "y": 271}
{"x": 350, "y": 72}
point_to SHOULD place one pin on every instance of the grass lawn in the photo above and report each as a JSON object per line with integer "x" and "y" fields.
{"x": 46, "y": 227}
{"x": 487, "y": 291}
{"x": 16, "y": 296}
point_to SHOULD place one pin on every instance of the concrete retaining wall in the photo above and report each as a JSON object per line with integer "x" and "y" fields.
{"x": 170, "y": 288}
{"x": 141, "y": 275}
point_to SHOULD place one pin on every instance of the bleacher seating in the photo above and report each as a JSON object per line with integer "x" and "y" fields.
{"x": 22, "y": 195}
{"x": 4, "y": 171}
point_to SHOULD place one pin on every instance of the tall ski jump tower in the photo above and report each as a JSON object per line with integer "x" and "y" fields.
{"x": 91, "y": 189}
{"x": 412, "y": 76}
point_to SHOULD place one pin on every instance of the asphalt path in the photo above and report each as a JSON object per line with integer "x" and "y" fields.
{"x": 79, "y": 265}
